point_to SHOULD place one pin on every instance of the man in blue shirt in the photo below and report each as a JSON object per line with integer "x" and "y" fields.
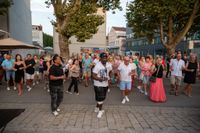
{"x": 7, "y": 65}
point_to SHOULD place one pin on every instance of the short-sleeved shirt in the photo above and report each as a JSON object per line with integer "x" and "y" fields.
{"x": 177, "y": 66}
{"x": 56, "y": 71}
{"x": 30, "y": 70}
{"x": 8, "y": 64}
{"x": 125, "y": 70}
{"x": 103, "y": 72}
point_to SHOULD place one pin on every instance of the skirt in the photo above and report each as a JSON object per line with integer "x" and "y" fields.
{"x": 157, "y": 91}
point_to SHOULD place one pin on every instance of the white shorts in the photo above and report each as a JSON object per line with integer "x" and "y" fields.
{"x": 29, "y": 76}
{"x": 36, "y": 72}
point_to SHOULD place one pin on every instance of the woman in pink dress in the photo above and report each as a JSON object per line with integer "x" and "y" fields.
{"x": 157, "y": 91}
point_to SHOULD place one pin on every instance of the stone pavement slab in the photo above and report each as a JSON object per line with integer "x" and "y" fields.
{"x": 38, "y": 95}
{"x": 77, "y": 118}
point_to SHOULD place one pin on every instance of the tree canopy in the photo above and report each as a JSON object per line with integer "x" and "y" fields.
{"x": 4, "y": 4}
{"x": 78, "y": 18}
{"x": 47, "y": 40}
{"x": 171, "y": 19}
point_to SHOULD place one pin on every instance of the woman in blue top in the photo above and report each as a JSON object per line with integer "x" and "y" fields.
{"x": 87, "y": 63}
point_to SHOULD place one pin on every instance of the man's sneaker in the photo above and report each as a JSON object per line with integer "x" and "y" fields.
{"x": 123, "y": 101}
{"x": 48, "y": 90}
{"x": 108, "y": 90}
{"x": 69, "y": 92}
{"x": 58, "y": 110}
{"x": 15, "y": 88}
{"x": 33, "y": 84}
{"x": 100, "y": 113}
{"x": 37, "y": 82}
{"x": 145, "y": 93}
{"x": 55, "y": 113}
{"x": 8, "y": 88}
{"x": 127, "y": 99}
{"x": 77, "y": 94}
{"x": 29, "y": 88}
{"x": 96, "y": 110}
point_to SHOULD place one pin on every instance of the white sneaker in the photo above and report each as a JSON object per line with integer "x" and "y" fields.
{"x": 69, "y": 92}
{"x": 100, "y": 113}
{"x": 108, "y": 90}
{"x": 8, "y": 88}
{"x": 58, "y": 110}
{"x": 48, "y": 90}
{"x": 55, "y": 113}
{"x": 145, "y": 93}
{"x": 29, "y": 88}
{"x": 141, "y": 91}
{"x": 37, "y": 82}
{"x": 15, "y": 88}
{"x": 123, "y": 101}
{"x": 139, "y": 87}
{"x": 96, "y": 110}
{"x": 33, "y": 84}
{"x": 127, "y": 99}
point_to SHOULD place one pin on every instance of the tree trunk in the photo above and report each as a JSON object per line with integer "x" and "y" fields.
{"x": 170, "y": 49}
{"x": 64, "y": 46}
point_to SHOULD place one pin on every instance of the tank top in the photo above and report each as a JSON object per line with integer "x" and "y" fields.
{"x": 76, "y": 73}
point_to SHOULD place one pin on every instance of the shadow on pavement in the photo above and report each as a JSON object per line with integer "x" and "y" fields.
{"x": 6, "y": 115}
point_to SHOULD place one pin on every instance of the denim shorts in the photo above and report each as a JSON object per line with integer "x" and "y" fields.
{"x": 125, "y": 85}
{"x": 10, "y": 74}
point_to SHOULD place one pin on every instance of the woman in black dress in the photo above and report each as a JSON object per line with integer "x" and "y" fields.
{"x": 19, "y": 67}
{"x": 190, "y": 74}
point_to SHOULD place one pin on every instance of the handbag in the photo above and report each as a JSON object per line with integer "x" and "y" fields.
{"x": 153, "y": 78}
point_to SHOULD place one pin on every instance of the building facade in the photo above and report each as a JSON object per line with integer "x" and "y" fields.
{"x": 37, "y": 34}
{"x": 144, "y": 47}
{"x": 117, "y": 38}
{"x": 98, "y": 40}
{"x": 17, "y": 23}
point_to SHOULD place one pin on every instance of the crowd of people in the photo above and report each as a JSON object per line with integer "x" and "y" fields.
{"x": 102, "y": 70}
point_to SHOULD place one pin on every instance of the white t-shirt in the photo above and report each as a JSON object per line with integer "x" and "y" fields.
{"x": 125, "y": 70}
{"x": 102, "y": 71}
{"x": 96, "y": 61}
{"x": 177, "y": 67}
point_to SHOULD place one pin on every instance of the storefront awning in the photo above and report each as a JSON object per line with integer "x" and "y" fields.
{"x": 10, "y": 43}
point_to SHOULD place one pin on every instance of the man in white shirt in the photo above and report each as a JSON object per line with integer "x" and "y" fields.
{"x": 101, "y": 73}
{"x": 125, "y": 71}
{"x": 176, "y": 65}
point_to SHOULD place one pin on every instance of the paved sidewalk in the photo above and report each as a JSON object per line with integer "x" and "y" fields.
{"x": 117, "y": 119}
